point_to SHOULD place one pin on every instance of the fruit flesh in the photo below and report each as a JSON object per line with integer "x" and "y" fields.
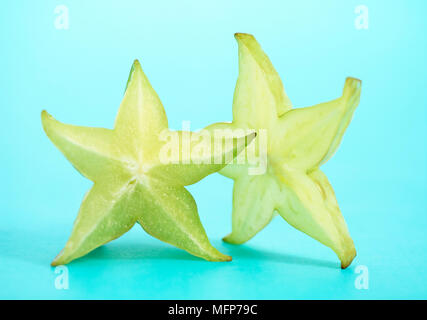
{"x": 131, "y": 183}
{"x": 299, "y": 142}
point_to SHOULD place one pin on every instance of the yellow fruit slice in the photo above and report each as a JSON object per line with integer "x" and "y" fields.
{"x": 299, "y": 141}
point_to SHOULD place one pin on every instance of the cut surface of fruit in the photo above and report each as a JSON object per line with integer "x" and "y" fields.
{"x": 132, "y": 182}
{"x": 298, "y": 142}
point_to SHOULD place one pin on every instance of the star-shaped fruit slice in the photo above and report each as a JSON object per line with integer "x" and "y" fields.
{"x": 295, "y": 144}
{"x": 132, "y": 183}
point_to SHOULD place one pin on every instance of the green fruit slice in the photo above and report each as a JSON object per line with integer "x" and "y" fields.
{"x": 131, "y": 181}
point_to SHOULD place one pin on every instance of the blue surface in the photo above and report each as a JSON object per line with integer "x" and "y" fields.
{"x": 188, "y": 52}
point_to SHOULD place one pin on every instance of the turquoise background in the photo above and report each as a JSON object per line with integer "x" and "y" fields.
{"x": 188, "y": 52}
